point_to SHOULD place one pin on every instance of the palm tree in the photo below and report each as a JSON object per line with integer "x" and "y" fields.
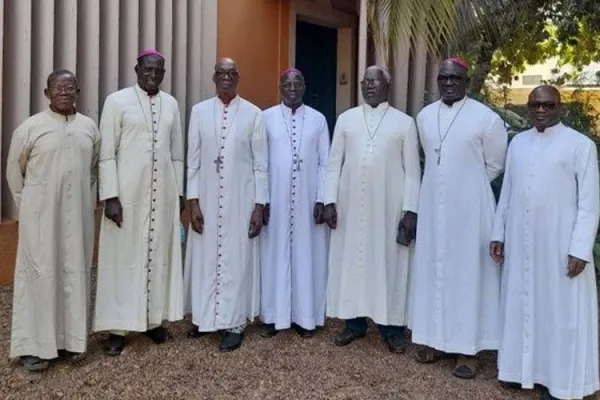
{"x": 444, "y": 25}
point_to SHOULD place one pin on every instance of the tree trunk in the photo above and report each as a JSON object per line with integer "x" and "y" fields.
{"x": 482, "y": 69}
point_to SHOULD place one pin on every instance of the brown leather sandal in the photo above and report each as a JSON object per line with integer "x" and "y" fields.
{"x": 466, "y": 367}
{"x": 427, "y": 355}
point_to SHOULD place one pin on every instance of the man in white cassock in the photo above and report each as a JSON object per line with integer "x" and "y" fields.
{"x": 51, "y": 167}
{"x": 544, "y": 234}
{"x": 227, "y": 191}
{"x": 140, "y": 283}
{"x": 294, "y": 238}
{"x": 455, "y": 283}
{"x": 372, "y": 185}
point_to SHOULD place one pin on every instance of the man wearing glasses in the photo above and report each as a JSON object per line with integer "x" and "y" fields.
{"x": 544, "y": 234}
{"x": 456, "y": 284}
{"x": 51, "y": 167}
{"x": 141, "y": 183}
{"x": 227, "y": 189}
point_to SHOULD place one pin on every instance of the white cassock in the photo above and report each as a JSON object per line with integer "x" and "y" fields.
{"x": 140, "y": 281}
{"x": 228, "y": 174}
{"x": 50, "y": 170}
{"x": 293, "y": 247}
{"x": 548, "y": 210}
{"x": 373, "y": 183}
{"x": 455, "y": 300}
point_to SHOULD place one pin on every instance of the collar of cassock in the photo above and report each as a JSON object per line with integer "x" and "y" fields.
{"x": 456, "y": 104}
{"x": 551, "y": 130}
{"x": 287, "y": 109}
{"x": 143, "y": 92}
{"x": 380, "y": 107}
{"x": 228, "y": 102}
{"x": 63, "y": 117}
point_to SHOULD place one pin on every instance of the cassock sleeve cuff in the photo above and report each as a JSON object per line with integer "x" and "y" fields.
{"x": 410, "y": 201}
{"x": 108, "y": 182}
{"x": 577, "y": 251}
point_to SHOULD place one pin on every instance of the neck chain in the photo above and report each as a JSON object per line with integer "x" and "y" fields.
{"x": 438, "y": 150}
{"x": 372, "y": 135}
{"x": 295, "y": 153}
{"x": 152, "y": 127}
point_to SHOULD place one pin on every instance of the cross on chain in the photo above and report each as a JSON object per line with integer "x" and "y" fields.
{"x": 370, "y": 146}
{"x": 297, "y": 162}
{"x": 218, "y": 163}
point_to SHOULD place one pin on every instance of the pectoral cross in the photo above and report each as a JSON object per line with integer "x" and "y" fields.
{"x": 438, "y": 151}
{"x": 218, "y": 163}
{"x": 297, "y": 162}
{"x": 370, "y": 146}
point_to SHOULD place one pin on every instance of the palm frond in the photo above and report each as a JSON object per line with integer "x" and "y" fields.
{"x": 442, "y": 23}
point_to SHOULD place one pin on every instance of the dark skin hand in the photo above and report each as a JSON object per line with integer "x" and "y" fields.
{"x": 330, "y": 215}
{"x": 497, "y": 251}
{"x": 318, "y": 213}
{"x": 114, "y": 211}
{"x": 575, "y": 266}
{"x": 266, "y": 214}
{"x": 196, "y": 217}
{"x": 409, "y": 221}
{"x": 256, "y": 221}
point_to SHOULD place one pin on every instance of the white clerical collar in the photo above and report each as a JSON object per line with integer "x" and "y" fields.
{"x": 143, "y": 92}
{"x": 380, "y": 107}
{"x": 288, "y": 109}
{"x": 456, "y": 104}
{"x": 232, "y": 102}
{"x": 550, "y": 130}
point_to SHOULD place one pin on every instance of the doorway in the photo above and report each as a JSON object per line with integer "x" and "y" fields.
{"x": 316, "y": 57}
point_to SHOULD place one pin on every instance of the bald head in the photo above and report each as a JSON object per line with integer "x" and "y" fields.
{"x": 226, "y": 62}
{"x": 544, "y": 107}
{"x": 375, "y": 85}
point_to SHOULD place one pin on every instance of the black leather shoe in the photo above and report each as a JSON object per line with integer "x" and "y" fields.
{"x": 305, "y": 333}
{"x": 193, "y": 332}
{"x": 230, "y": 342}
{"x": 115, "y": 345}
{"x": 396, "y": 344}
{"x": 158, "y": 335}
{"x": 510, "y": 385}
{"x": 347, "y": 336}
{"x": 546, "y": 395}
{"x": 268, "y": 331}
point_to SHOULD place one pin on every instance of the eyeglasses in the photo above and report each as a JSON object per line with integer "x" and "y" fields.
{"x": 546, "y": 105}
{"x": 370, "y": 82}
{"x": 60, "y": 89}
{"x": 232, "y": 73}
{"x": 455, "y": 78}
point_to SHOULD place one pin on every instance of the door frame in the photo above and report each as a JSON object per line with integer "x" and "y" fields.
{"x": 346, "y": 25}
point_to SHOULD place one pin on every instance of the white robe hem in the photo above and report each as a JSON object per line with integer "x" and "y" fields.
{"x": 587, "y": 390}
{"x": 458, "y": 348}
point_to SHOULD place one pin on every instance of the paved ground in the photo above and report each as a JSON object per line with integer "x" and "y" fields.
{"x": 283, "y": 367}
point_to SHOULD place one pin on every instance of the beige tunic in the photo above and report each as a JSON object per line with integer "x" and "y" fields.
{"x": 141, "y": 162}
{"x": 50, "y": 172}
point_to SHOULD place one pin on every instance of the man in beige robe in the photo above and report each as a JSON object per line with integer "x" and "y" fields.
{"x": 50, "y": 170}
{"x": 140, "y": 275}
